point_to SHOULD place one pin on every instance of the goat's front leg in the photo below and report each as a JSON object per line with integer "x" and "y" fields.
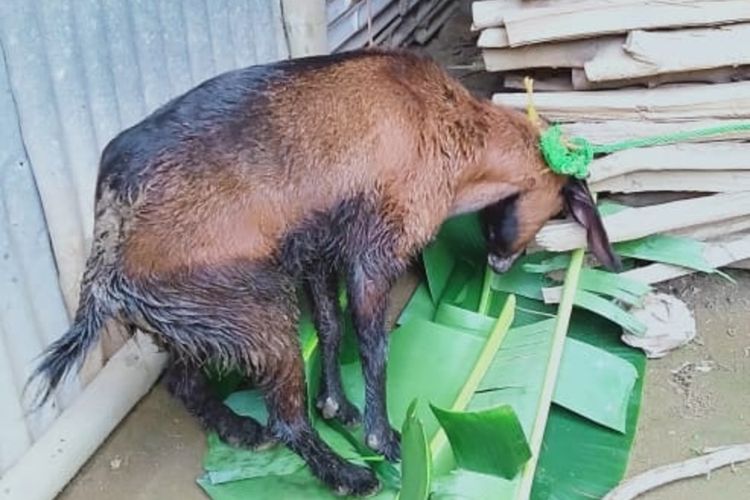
{"x": 368, "y": 293}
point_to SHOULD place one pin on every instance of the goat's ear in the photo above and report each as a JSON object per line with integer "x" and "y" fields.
{"x": 580, "y": 204}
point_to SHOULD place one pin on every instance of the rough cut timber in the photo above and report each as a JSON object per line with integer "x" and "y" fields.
{"x": 683, "y": 157}
{"x": 714, "y": 230}
{"x": 736, "y": 248}
{"x": 713, "y": 75}
{"x": 491, "y": 13}
{"x": 647, "y": 53}
{"x": 712, "y": 181}
{"x": 542, "y": 24}
{"x": 636, "y": 223}
{"x": 688, "y": 102}
{"x": 573, "y": 54}
{"x": 614, "y": 130}
{"x": 496, "y": 38}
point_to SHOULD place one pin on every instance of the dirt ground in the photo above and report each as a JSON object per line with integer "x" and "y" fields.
{"x": 696, "y": 397}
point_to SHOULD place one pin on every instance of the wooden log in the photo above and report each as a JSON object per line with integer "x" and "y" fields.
{"x": 573, "y": 54}
{"x": 615, "y": 131}
{"x": 714, "y": 75}
{"x": 668, "y": 103}
{"x": 542, "y": 24}
{"x": 714, "y": 181}
{"x": 636, "y": 223}
{"x": 647, "y": 53}
{"x": 556, "y": 83}
{"x": 735, "y": 249}
{"x": 697, "y": 157}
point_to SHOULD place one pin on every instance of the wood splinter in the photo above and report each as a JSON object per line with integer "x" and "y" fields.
{"x": 698, "y": 466}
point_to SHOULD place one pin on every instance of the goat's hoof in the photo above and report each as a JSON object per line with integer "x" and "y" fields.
{"x": 339, "y": 409}
{"x": 386, "y": 443}
{"x": 355, "y": 480}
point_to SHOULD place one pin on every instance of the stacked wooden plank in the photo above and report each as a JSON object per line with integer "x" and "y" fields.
{"x": 352, "y": 24}
{"x": 612, "y": 70}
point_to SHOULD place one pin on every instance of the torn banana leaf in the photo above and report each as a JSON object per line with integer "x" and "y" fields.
{"x": 607, "y": 309}
{"x": 490, "y": 441}
{"x": 520, "y": 282}
{"x": 595, "y": 384}
{"x": 439, "y": 262}
{"x": 618, "y": 287}
{"x": 668, "y": 249}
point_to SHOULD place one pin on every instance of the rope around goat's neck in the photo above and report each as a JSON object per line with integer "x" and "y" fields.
{"x": 573, "y": 156}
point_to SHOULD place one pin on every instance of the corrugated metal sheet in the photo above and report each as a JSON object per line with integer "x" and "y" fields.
{"x": 352, "y": 23}
{"x": 72, "y": 75}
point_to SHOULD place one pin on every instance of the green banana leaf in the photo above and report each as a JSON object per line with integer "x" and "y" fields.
{"x": 489, "y": 441}
{"x": 628, "y": 291}
{"x": 677, "y": 250}
{"x": 608, "y": 309}
{"x": 417, "y": 462}
{"x": 580, "y": 460}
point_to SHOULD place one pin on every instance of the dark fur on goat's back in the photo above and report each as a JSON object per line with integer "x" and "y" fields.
{"x": 229, "y": 164}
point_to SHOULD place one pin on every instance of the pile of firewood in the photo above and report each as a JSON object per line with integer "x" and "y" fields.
{"x": 612, "y": 70}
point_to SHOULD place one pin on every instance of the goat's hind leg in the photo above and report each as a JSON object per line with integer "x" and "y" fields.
{"x": 187, "y": 383}
{"x": 284, "y": 389}
{"x": 321, "y": 287}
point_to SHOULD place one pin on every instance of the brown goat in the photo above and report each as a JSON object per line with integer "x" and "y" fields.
{"x": 212, "y": 210}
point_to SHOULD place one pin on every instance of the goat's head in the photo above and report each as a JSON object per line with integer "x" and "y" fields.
{"x": 511, "y": 223}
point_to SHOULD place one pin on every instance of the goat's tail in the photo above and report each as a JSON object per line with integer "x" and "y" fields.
{"x": 70, "y": 350}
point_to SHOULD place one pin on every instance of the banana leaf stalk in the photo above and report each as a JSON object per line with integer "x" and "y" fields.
{"x": 553, "y": 366}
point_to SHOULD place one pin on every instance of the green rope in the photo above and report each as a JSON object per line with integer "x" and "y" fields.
{"x": 573, "y": 156}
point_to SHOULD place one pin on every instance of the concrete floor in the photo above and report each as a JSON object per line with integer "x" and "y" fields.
{"x": 156, "y": 451}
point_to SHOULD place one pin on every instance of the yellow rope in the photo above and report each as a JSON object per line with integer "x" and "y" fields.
{"x": 528, "y": 83}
